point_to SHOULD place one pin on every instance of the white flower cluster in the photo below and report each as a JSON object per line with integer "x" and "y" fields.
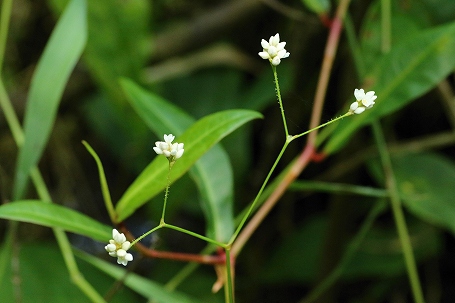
{"x": 117, "y": 248}
{"x": 364, "y": 101}
{"x": 273, "y": 50}
{"x": 172, "y": 151}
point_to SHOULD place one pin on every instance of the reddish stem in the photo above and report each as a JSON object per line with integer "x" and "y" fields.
{"x": 185, "y": 257}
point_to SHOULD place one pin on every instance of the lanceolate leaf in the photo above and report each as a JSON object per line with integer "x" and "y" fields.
{"x": 216, "y": 187}
{"x": 408, "y": 71}
{"x": 53, "y": 215}
{"x": 63, "y": 50}
{"x": 198, "y": 139}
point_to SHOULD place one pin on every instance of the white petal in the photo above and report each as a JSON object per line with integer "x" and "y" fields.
{"x": 264, "y": 55}
{"x": 121, "y": 253}
{"x": 272, "y": 51}
{"x": 163, "y": 146}
{"x": 275, "y": 40}
{"x": 281, "y": 45}
{"x": 359, "y": 94}
{"x": 367, "y": 103}
{"x": 354, "y": 106}
{"x": 370, "y": 105}
{"x": 114, "y": 233}
{"x": 359, "y": 110}
{"x": 167, "y": 153}
{"x": 129, "y": 257}
{"x": 110, "y": 247}
{"x": 119, "y": 238}
{"x": 276, "y": 61}
{"x": 158, "y": 150}
{"x": 121, "y": 261}
{"x": 283, "y": 54}
{"x": 265, "y": 44}
{"x": 179, "y": 153}
{"x": 126, "y": 245}
{"x": 169, "y": 138}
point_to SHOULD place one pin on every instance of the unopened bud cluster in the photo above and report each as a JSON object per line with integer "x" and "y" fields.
{"x": 273, "y": 50}
{"x": 170, "y": 150}
{"x": 118, "y": 247}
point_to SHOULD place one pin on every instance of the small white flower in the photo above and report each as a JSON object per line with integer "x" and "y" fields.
{"x": 273, "y": 50}
{"x": 364, "y": 101}
{"x": 117, "y": 248}
{"x": 170, "y": 150}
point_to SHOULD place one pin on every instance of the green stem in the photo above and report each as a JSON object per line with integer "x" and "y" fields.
{"x": 230, "y": 286}
{"x": 278, "y": 94}
{"x": 354, "y": 46}
{"x": 4, "y": 26}
{"x": 196, "y": 235}
{"x": 339, "y": 188}
{"x": 146, "y": 234}
{"x": 10, "y": 115}
{"x": 398, "y": 215}
{"x": 320, "y": 126}
{"x": 70, "y": 262}
{"x": 256, "y": 199}
{"x": 386, "y": 26}
{"x": 166, "y": 193}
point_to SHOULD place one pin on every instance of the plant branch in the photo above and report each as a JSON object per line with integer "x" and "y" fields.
{"x": 184, "y": 257}
{"x": 398, "y": 215}
{"x": 309, "y": 151}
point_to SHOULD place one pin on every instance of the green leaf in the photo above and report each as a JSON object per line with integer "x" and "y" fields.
{"x": 198, "y": 139}
{"x": 53, "y": 215}
{"x": 216, "y": 188}
{"x": 408, "y": 71}
{"x": 426, "y": 185}
{"x": 441, "y": 11}
{"x": 159, "y": 115}
{"x": 407, "y": 20}
{"x": 44, "y": 277}
{"x": 119, "y": 43}
{"x": 60, "y": 55}
{"x": 147, "y": 288}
